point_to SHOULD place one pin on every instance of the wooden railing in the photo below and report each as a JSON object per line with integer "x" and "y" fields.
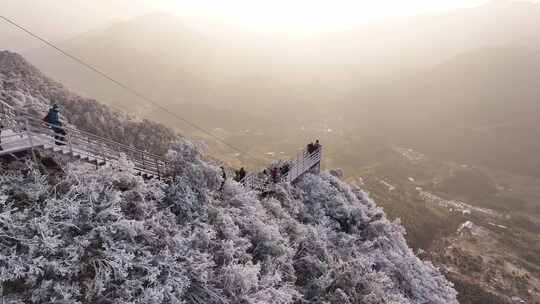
{"x": 7, "y": 113}
{"x": 303, "y": 163}
{"x": 257, "y": 181}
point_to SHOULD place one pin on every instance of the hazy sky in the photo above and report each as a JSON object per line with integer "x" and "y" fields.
{"x": 64, "y": 19}
{"x": 71, "y": 16}
{"x": 61, "y": 19}
{"x": 307, "y": 15}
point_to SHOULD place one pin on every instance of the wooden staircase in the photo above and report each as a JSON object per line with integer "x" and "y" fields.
{"x": 23, "y": 132}
{"x": 303, "y": 163}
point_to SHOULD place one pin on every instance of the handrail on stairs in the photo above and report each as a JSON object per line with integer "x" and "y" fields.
{"x": 15, "y": 113}
{"x": 91, "y": 136}
{"x": 6, "y": 112}
{"x": 5, "y": 107}
{"x": 80, "y": 142}
{"x": 304, "y": 162}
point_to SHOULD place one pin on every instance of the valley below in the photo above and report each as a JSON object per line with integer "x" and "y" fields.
{"x": 479, "y": 225}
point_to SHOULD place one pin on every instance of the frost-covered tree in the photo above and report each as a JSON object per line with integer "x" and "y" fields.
{"x": 104, "y": 236}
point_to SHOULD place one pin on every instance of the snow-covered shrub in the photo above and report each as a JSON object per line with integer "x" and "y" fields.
{"x": 110, "y": 237}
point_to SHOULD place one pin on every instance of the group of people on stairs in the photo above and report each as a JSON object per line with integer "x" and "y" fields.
{"x": 277, "y": 171}
{"x": 273, "y": 174}
{"x": 239, "y": 175}
{"x": 313, "y": 147}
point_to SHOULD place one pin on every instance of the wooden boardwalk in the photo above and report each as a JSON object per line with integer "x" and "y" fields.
{"x": 23, "y": 132}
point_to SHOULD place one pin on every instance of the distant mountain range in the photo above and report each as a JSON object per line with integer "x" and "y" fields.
{"x": 174, "y": 63}
{"x": 481, "y": 107}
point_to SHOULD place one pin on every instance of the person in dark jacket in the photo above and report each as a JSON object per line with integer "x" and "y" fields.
{"x": 309, "y": 148}
{"x": 224, "y": 176}
{"x": 316, "y": 146}
{"x": 240, "y": 174}
{"x": 53, "y": 119}
{"x": 53, "y": 116}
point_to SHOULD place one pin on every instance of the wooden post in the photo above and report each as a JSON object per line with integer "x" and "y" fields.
{"x": 103, "y": 154}
{"x": 30, "y": 139}
{"x": 91, "y": 149}
{"x": 157, "y": 167}
{"x": 298, "y": 166}
{"x": 319, "y": 161}
{"x": 142, "y": 158}
{"x": 302, "y": 168}
{"x": 117, "y": 150}
{"x": 317, "y": 166}
{"x": 70, "y": 145}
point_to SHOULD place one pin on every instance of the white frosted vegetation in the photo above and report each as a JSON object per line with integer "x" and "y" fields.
{"x": 110, "y": 237}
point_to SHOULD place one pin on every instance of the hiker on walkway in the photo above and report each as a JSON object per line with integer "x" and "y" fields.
{"x": 224, "y": 176}
{"x": 316, "y": 146}
{"x": 53, "y": 119}
{"x": 310, "y": 148}
{"x": 240, "y": 174}
{"x": 313, "y": 147}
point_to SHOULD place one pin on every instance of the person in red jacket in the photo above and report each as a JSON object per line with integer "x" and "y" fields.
{"x": 274, "y": 173}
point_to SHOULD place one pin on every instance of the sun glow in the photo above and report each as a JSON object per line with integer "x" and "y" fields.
{"x": 305, "y": 15}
